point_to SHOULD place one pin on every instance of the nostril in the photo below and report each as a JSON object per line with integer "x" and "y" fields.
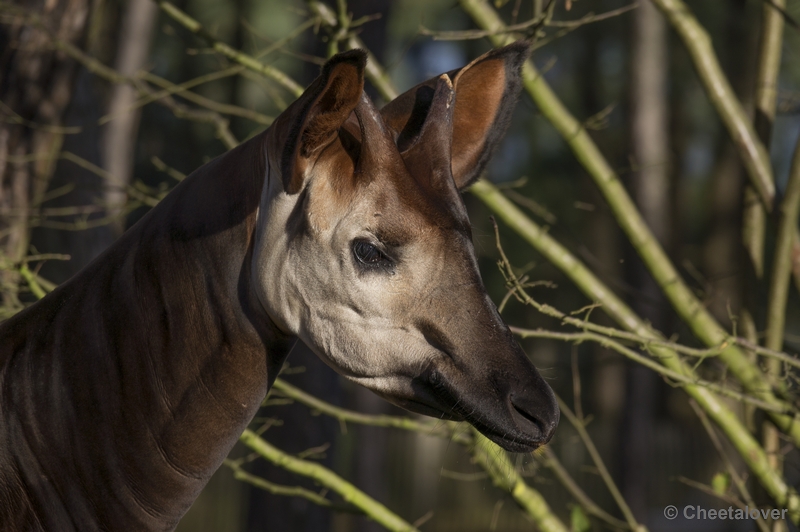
{"x": 527, "y": 415}
{"x": 527, "y": 422}
{"x": 540, "y": 423}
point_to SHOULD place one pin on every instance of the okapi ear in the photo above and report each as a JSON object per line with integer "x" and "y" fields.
{"x": 312, "y": 122}
{"x": 486, "y": 91}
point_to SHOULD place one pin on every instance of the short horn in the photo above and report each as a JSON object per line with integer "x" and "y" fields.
{"x": 377, "y": 144}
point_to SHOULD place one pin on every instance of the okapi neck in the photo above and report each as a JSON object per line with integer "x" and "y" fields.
{"x": 162, "y": 340}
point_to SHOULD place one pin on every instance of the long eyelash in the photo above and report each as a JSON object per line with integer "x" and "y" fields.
{"x": 370, "y": 257}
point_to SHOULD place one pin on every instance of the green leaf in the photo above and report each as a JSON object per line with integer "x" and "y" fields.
{"x": 578, "y": 520}
{"x": 720, "y": 483}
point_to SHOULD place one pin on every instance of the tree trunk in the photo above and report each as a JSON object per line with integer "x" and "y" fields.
{"x": 650, "y": 186}
{"x": 36, "y": 84}
{"x": 136, "y": 35}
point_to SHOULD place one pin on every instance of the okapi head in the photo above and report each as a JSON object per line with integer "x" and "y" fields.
{"x": 364, "y": 248}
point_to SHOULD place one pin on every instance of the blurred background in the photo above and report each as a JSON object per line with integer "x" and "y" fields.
{"x": 626, "y": 77}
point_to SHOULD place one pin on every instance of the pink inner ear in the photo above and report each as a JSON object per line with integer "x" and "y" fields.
{"x": 479, "y": 92}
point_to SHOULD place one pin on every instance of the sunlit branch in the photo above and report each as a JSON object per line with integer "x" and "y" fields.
{"x": 503, "y": 474}
{"x": 324, "y": 476}
{"x": 750, "y": 450}
{"x": 750, "y": 148}
{"x": 288, "y": 491}
{"x": 431, "y": 428}
{"x": 679, "y": 379}
{"x": 683, "y": 300}
{"x": 231, "y": 53}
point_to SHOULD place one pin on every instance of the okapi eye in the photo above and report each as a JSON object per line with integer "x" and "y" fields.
{"x": 369, "y": 255}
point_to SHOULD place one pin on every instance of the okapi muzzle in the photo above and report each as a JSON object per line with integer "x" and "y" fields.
{"x": 123, "y": 390}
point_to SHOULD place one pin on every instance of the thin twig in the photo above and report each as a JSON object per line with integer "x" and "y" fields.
{"x": 181, "y": 111}
{"x": 231, "y": 53}
{"x": 288, "y": 491}
{"x": 531, "y": 25}
{"x": 741, "y": 485}
{"x": 750, "y": 450}
{"x": 680, "y": 380}
{"x": 710, "y": 491}
{"x": 600, "y": 465}
{"x": 683, "y": 300}
{"x": 321, "y": 474}
{"x": 86, "y": 165}
{"x": 552, "y": 462}
{"x": 495, "y": 461}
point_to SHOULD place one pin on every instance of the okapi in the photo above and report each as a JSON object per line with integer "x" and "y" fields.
{"x": 341, "y": 225}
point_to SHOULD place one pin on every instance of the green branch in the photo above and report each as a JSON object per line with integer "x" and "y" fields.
{"x": 286, "y": 491}
{"x": 782, "y": 264}
{"x": 528, "y": 498}
{"x": 750, "y": 450}
{"x": 580, "y": 426}
{"x": 495, "y": 461}
{"x": 324, "y": 476}
{"x": 33, "y": 283}
{"x": 750, "y": 148}
{"x": 432, "y": 428}
{"x": 704, "y": 326}
{"x": 231, "y": 53}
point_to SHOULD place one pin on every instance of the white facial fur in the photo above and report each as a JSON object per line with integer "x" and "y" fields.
{"x": 309, "y": 284}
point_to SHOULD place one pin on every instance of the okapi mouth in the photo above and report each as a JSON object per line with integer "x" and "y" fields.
{"x": 510, "y": 425}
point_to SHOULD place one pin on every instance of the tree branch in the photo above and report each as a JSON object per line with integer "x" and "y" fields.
{"x": 630, "y": 220}
{"x": 372, "y": 508}
{"x": 600, "y": 465}
{"x": 698, "y": 43}
{"x": 231, "y": 53}
{"x": 552, "y": 462}
{"x": 495, "y": 461}
{"x": 750, "y": 450}
{"x": 288, "y": 491}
